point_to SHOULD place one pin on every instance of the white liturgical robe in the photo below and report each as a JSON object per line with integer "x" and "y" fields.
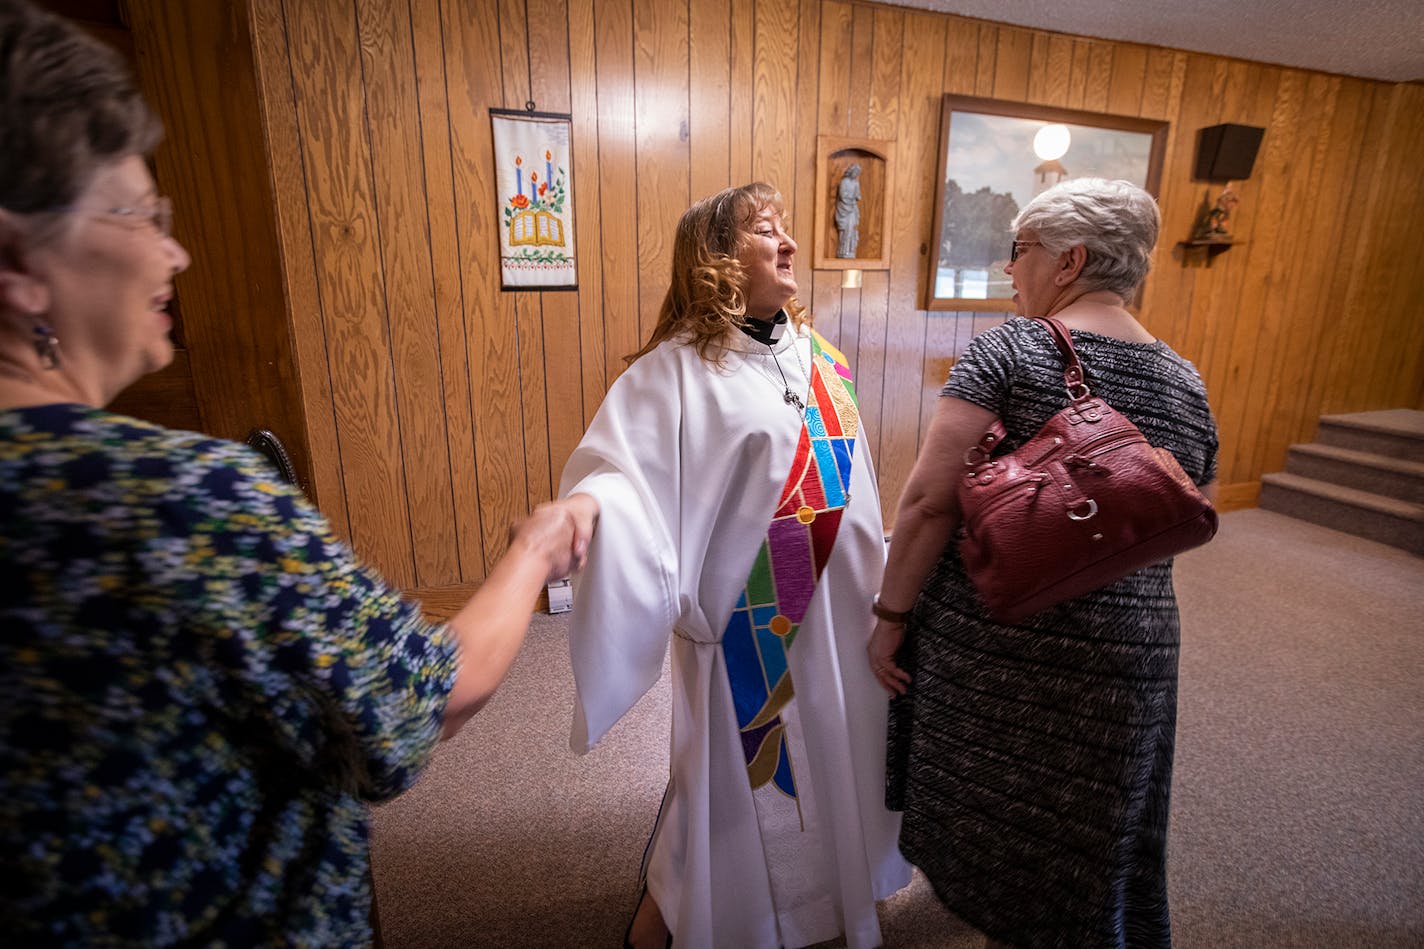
{"x": 687, "y": 461}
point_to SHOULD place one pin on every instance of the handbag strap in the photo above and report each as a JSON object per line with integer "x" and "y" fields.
{"x": 1072, "y": 366}
{"x": 1078, "y": 390}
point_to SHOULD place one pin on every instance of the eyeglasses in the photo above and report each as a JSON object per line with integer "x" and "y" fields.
{"x": 1020, "y": 248}
{"x": 159, "y": 215}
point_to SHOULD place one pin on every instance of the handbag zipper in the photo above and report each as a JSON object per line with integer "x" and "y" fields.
{"x": 1035, "y": 480}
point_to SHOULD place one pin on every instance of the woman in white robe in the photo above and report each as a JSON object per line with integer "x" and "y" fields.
{"x": 681, "y": 471}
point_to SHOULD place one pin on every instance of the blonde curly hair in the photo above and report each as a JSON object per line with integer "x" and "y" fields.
{"x": 705, "y": 298}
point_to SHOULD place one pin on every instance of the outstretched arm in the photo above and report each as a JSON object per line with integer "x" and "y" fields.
{"x": 490, "y": 628}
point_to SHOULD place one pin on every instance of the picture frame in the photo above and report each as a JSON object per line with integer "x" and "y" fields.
{"x": 988, "y": 170}
{"x": 534, "y": 199}
{"x": 868, "y": 202}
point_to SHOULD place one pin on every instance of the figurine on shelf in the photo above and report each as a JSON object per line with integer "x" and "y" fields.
{"x": 1216, "y": 225}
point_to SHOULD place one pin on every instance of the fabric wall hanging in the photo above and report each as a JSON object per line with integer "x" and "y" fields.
{"x": 534, "y": 196}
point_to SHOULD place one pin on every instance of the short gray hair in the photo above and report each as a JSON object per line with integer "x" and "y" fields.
{"x": 1116, "y": 222}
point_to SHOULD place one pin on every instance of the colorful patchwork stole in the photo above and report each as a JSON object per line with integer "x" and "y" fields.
{"x": 798, "y": 543}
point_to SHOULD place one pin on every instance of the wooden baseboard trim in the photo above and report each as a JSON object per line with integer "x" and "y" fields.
{"x": 440, "y": 603}
{"x": 1238, "y": 496}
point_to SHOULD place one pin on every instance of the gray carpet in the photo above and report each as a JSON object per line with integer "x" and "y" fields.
{"x": 1298, "y": 795}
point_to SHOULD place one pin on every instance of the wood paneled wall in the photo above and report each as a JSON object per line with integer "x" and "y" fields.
{"x": 452, "y": 405}
{"x": 195, "y": 64}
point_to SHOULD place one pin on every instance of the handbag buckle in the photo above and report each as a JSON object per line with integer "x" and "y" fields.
{"x": 1084, "y": 409}
{"x": 1091, "y": 505}
{"x": 979, "y": 452}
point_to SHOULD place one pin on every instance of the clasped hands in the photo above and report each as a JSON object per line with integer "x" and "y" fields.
{"x": 562, "y": 530}
{"x": 559, "y": 532}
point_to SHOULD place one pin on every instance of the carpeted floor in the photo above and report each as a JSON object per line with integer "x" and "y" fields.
{"x": 1298, "y": 795}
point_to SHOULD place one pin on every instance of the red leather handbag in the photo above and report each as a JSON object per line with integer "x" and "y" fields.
{"x": 1084, "y": 502}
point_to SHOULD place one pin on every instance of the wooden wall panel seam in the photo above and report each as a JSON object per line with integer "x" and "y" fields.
{"x": 1293, "y": 350}
{"x": 806, "y": 91}
{"x": 593, "y": 341}
{"x": 709, "y": 82}
{"x": 382, "y": 278}
{"x": 487, "y": 313}
{"x": 412, "y": 324}
{"x": 452, "y": 346}
{"x": 343, "y": 208}
{"x": 560, "y": 311}
{"x": 331, "y": 493}
{"x": 516, "y": 90}
{"x": 617, "y": 156}
{"x": 885, "y": 77}
{"x": 902, "y": 391}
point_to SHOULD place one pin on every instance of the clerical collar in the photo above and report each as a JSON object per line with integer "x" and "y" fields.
{"x": 766, "y": 331}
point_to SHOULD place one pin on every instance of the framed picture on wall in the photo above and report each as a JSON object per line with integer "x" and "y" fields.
{"x": 994, "y": 157}
{"x": 533, "y": 158}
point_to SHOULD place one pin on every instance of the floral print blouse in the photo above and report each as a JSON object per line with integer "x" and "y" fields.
{"x": 200, "y": 687}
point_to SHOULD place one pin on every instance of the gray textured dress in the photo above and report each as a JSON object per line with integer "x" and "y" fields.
{"x": 1034, "y": 762}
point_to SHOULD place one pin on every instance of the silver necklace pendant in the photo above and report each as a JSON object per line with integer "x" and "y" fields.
{"x": 787, "y": 396}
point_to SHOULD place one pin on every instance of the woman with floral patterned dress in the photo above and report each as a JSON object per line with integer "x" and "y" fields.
{"x": 202, "y": 685}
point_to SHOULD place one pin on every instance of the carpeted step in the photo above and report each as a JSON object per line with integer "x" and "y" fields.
{"x": 1363, "y": 471}
{"x": 1387, "y": 520}
{"x": 1396, "y": 433}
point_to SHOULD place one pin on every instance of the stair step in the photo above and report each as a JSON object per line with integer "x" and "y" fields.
{"x": 1387, "y": 520}
{"x": 1364, "y": 471}
{"x": 1397, "y": 433}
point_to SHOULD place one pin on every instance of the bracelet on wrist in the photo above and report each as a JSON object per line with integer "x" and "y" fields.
{"x": 887, "y": 614}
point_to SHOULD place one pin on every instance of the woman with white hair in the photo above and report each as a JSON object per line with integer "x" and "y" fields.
{"x": 1033, "y": 761}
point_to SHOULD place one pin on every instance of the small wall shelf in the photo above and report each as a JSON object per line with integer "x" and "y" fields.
{"x": 1209, "y": 248}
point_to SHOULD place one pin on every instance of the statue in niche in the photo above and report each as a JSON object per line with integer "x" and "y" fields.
{"x": 848, "y": 211}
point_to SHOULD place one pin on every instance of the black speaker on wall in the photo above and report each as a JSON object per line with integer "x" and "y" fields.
{"x": 1227, "y": 152}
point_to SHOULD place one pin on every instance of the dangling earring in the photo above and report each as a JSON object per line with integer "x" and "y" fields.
{"x": 47, "y": 347}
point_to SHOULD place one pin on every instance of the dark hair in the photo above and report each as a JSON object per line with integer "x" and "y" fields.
{"x": 706, "y": 297}
{"x": 68, "y": 105}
